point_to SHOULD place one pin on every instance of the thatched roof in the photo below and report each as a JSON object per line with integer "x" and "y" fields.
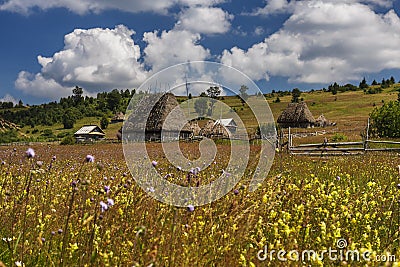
{"x": 157, "y": 113}
{"x": 214, "y": 129}
{"x": 296, "y": 113}
{"x": 194, "y": 128}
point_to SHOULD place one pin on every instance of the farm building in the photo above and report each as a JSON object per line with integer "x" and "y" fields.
{"x": 89, "y": 133}
{"x": 212, "y": 129}
{"x": 229, "y": 124}
{"x": 296, "y": 115}
{"x": 118, "y": 117}
{"x": 165, "y": 120}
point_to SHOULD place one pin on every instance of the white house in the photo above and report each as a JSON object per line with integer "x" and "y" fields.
{"x": 89, "y": 133}
{"x": 229, "y": 124}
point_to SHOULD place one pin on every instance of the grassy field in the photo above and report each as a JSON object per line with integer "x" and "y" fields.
{"x": 52, "y": 211}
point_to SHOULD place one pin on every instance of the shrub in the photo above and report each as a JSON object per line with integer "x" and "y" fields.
{"x": 68, "y": 140}
{"x": 338, "y": 137}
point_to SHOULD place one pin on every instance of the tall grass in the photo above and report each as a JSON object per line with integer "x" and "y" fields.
{"x": 303, "y": 204}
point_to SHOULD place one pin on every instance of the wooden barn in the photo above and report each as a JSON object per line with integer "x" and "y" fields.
{"x": 212, "y": 129}
{"x": 89, "y": 133}
{"x": 296, "y": 115}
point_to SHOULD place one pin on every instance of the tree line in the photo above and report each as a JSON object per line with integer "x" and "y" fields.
{"x": 69, "y": 109}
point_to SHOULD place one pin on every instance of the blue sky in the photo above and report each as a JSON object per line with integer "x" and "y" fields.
{"x": 48, "y": 46}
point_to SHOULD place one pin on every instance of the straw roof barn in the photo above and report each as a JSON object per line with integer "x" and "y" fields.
{"x": 195, "y": 128}
{"x": 159, "y": 117}
{"x": 296, "y": 115}
{"x": 214, "y": 130}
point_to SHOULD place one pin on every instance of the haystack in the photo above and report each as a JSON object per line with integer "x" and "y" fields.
{"x": 321, "y": 121}
{"x": 296, "y": 115}
{"x": 194, "y": 128}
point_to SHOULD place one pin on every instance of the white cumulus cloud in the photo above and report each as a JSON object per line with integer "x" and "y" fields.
{"x": 96, "y": 59}
{"x": 207, "y": 20}
{"x": 324, "y": 41}
{"x": 172, "y": 47}
{"x": 85, "y": 6}
{"x": 96, "y": 6}
{"x": 288, "y": 6}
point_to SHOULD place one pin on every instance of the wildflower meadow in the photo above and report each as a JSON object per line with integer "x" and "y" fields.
{"x": 80, "y": 206}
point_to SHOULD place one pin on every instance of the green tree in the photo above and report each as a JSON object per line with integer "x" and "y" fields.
{"x": 213, "y": 91}
{"x": 69, "y": 119}
{"x": 385, "y": 121}
{"x": 363, "y": 84}
{"x": 243, "y": 93}
{"x": 104, "y": 122}
{"x": 114, "y": 99}
{"x": 77, "y": 95}
{"x": 201, "y": 106}
{"x": 296, "y": 93}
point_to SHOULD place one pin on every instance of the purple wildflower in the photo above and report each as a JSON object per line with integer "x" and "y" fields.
{"x": 154, "y": 163}
{"x": 60, "y": 231}
{"x": 54, "y": 158}
{"x": 190, "y": 208}
{"x": 43, "y": 239}
{"x": 89, "y": 158}
{"x": 53, "y": 233}
{"x": 103, "y": 206}
{"x": 110, "y": 202}
{"x": 106, "y": 189}
{"x": 236, "y": 192}
{"x": 30, "y": 153}
{"x": 398, "y": 186}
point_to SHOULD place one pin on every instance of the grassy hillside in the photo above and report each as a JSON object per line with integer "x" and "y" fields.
{"x": 350, "y": 110}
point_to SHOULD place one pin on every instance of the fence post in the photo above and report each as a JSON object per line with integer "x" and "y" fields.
{"x": 367, "y": 137}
